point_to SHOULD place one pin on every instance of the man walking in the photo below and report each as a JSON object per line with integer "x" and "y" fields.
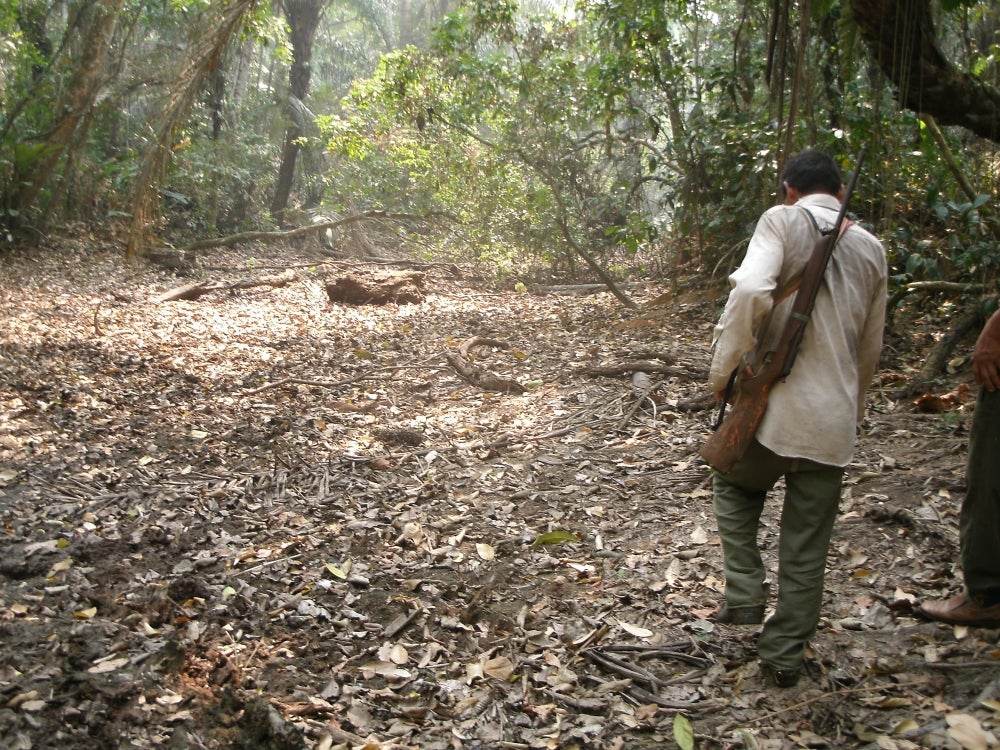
{"x": 808, "y": 432}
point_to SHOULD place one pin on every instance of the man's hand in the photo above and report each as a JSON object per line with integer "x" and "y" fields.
{"x": 986, "y": 355}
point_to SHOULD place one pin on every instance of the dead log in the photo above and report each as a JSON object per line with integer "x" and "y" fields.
{"x": 201, "y": 288}
{"x": 397, "y": 288}
{"x": 452, "y": 268}
{"x": 190, "y": 291}
{"x": 275, "y": 282}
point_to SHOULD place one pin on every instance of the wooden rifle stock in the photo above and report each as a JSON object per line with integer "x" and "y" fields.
{"x": 733, "y": 435}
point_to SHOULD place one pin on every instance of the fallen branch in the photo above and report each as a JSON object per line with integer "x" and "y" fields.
{"x": 586, "y": 705}
{"x": 484, "y": 380}
{"x": 452, "y": 268}
{"x": 637, "y": 674}
{"x": 642, "y": 395}
{"x": 698, "y": 403}
{"x": 475, "y": 341}
{"x": 267, "y": 563}
{"x": 396, "y": 627}
{"x": 201, "y": 288}
{"x": 698, "y": 706}
{"x": 619, "y": 666}
{"x": 884, "y": 514}
{"x": 973, "y": 317}
{"x": 190, "y": 291}
{"x": 660, "y": 652}
{"x": 930, "y": 287}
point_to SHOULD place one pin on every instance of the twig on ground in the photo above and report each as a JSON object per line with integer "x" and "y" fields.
{"x": 622, "y": 667}
{"x": 394, "y": 628}
{"x": 266, "y": 563}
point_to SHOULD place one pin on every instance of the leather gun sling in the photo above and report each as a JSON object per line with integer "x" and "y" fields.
{"x": 792, "y": 285}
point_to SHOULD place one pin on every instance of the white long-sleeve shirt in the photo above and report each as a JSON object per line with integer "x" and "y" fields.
{"x": 814, "y": 412}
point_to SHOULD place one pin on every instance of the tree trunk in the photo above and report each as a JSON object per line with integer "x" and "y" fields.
{"x": 79, "y": 95}
{"x": 903, "y": 40}
{"x": 208, "y": 40}
{"x": 303, "y": 18}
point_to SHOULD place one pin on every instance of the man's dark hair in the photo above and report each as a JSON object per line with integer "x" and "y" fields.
{"x": 812, "y": 171}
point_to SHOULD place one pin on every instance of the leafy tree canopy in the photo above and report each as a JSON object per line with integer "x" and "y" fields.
{"x": 644, "y": 135}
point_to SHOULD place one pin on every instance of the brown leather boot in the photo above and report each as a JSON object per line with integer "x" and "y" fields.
{"x": 961, "y": 610}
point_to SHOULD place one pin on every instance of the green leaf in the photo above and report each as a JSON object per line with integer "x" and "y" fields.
{"x": 683, "y": 732}
{"x": 554, "y": 537}
{"x": 336, "y": 572}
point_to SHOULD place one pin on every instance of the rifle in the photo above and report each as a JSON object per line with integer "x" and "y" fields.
{"x": 734, "y": 433}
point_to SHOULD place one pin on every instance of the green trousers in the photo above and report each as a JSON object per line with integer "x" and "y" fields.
{"x": 980, "y": 520}
{"x": 812, "y": 496}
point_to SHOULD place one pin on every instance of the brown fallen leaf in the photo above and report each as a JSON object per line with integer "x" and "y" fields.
{"x": 930, "y": 402}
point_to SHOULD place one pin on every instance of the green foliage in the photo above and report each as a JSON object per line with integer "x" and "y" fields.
{"x": 504, "y": 124}
{"x": 25, "y": 155}
{"x": 636, "y": 127}
{"x": 930, "y": 234}
{"x": 395, "y": 149}
{"x": 642, "y": 132}
{"x": 214, "y": 186}
{"x": 964, "y": 247}
{"x": 220, "y": 185}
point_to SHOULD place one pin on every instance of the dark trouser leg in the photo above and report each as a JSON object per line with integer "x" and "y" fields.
{"x": 980, "y": 521}
{"x": 738, "y": 498}
{"x": 812, "y": 497}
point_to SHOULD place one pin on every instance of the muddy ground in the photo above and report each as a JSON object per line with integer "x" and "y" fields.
{"x": 257, "y": 519}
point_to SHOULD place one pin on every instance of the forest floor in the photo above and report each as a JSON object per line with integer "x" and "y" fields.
{"x": 261, "y": 520}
